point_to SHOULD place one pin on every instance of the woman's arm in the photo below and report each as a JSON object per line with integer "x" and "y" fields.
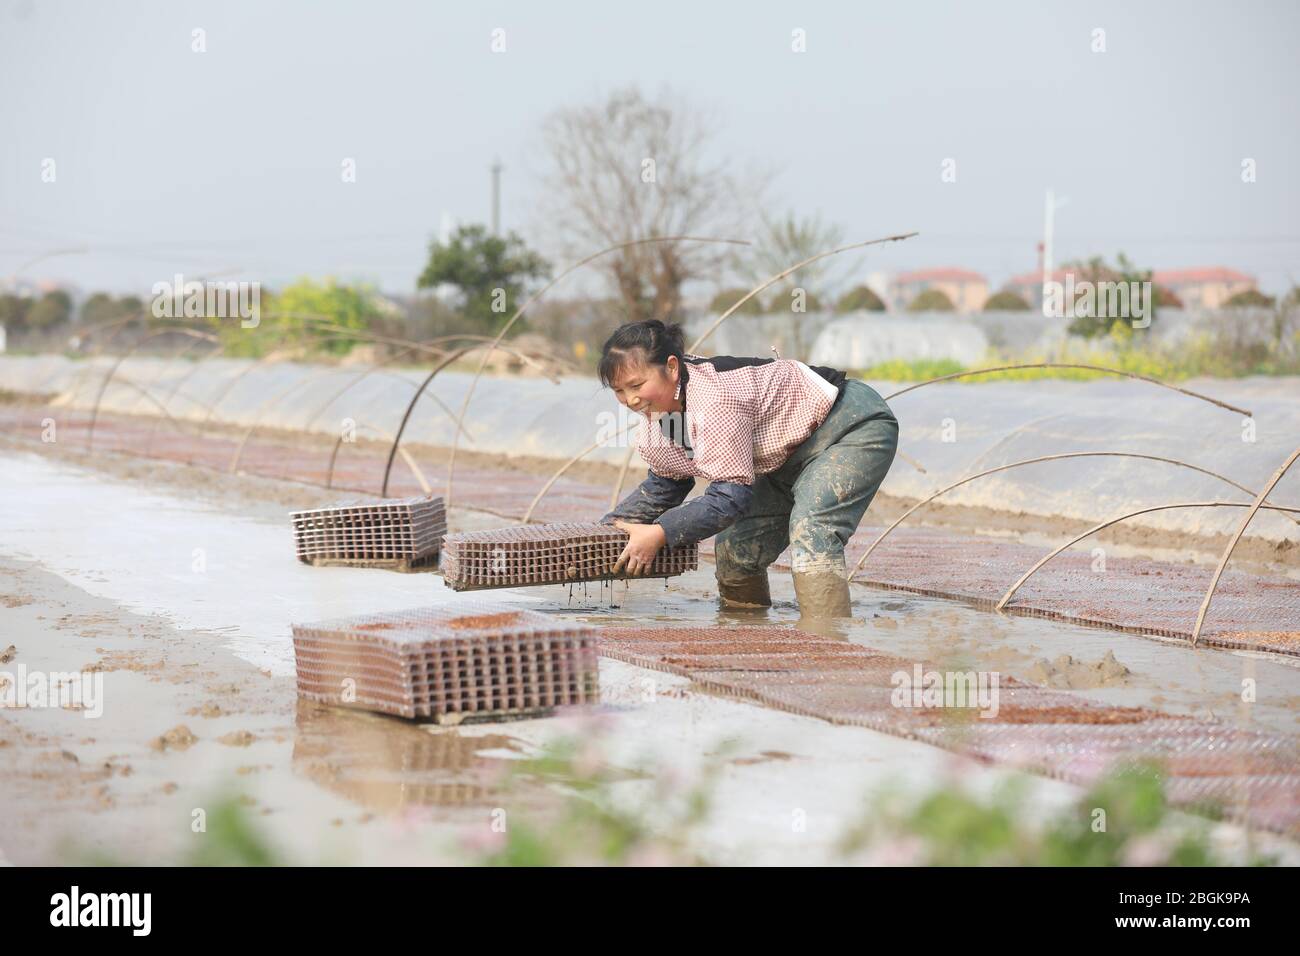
{"x": 703, "y": 517}
{"x": 651, "y": 498}
{"x": 720, "y": 505}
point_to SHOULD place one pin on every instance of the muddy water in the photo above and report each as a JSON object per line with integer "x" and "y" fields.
{"x": 385, "y": 764}
{"x": 947, "y": 635}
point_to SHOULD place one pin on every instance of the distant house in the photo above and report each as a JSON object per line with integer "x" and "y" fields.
{"x": 967, "y": 290}
{"x": 1206, "y": 288}
{"x": 1029, "y": 286}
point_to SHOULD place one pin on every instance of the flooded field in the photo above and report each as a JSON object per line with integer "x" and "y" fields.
{"x": 194, "y": 632}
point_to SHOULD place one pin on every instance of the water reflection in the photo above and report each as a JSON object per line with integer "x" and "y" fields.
{"x": 386, "y": 763}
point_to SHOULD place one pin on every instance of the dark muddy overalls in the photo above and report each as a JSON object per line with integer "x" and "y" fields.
{"x": 812, "y": 504}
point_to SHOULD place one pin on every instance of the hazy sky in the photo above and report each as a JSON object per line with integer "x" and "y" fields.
{"x": 169, "y": 160}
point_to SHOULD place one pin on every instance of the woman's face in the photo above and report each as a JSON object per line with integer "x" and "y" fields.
{"x": 647, "y": 388}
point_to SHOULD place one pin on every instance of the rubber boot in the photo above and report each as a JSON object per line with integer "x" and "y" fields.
{"x": 747, "y": 592}
{"x": 822, "y": 594}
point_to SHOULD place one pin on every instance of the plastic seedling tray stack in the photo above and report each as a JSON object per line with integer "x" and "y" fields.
{"x": 403, "y": 535}
{"x": 449, "y": 662}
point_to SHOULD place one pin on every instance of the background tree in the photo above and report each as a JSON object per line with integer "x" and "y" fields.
{"x": 50, "y": 311}
{"x": 1096, "y": 270}
{"x": 293, "y": 316}
{"x": 478, "y": 265}
{"x": 783, "y": 242}
{"x": 13, "y": 311}
{"x": 859, "y": 299}
{"x": 931, "y": 300}
{"x": 99, "y": 308}
{"x": 134, "y": 308}
{"x": 1006, "y": 301}
{"x": 728, "y": 297}
{"x": 1249, "y": 298}
{"x": 102, "y": 308}
{"x": 632, "y": 168}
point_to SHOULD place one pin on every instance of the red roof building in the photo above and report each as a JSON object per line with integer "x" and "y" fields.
{"x": 967, "y": 290}
{"x": 1207, "y": 288}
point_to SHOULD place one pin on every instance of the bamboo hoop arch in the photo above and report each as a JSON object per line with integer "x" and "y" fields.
{"x": 1031, "y": 461}
{"x": 1132, "y": 514}
{"x": 459, "y": 421}
{"x": 406, "y": 417}
{"x": 1095, "y": 368}
{"x": 1241, "y": 529}
{"x": 103, "y": 387}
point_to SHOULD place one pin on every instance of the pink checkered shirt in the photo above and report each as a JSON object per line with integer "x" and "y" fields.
{"x": 741, "y": 422}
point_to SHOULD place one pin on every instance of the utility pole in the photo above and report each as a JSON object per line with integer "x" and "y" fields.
{"x": 1049, "y": 225}
{"x": 496, "y": 168}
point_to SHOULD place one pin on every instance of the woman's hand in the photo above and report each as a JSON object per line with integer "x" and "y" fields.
{"x": 642, "y": 546}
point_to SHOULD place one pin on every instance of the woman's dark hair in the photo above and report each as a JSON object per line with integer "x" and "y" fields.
{"x": 655, "y": 341}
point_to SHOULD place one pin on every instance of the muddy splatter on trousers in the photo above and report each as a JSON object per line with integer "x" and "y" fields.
{"x": 813, "y": 502}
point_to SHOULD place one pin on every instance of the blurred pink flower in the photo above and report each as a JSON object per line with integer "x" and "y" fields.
{"x": 1150, "y": 850}
{"x": 903, "y": 851}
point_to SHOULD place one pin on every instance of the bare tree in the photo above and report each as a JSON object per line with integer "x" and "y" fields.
{"x": 629, "y": 168}
{"x": 781, "y": 243}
